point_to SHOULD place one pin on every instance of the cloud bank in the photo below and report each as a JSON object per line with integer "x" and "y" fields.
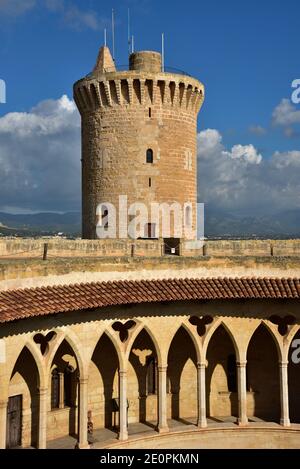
{"x": 40, "y": 166}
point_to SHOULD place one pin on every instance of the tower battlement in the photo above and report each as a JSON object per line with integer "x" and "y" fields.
{"x": 138, "y": 139}
{"x": 143, "y": 84}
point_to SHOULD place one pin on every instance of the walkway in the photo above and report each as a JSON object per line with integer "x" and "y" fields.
{"x": 104, "y": 438}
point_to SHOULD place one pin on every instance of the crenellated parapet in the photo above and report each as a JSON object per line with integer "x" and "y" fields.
{"x": 133, "y": 88}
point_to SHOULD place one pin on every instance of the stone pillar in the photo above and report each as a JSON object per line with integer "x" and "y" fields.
{"x": 242, "y": 393}
{"x": 284, "y": 394}
{"x": 3, "y": 420}
{"x": 61, "y": 404}
{"x": 201, "y": 400}
{"x": 123, "y": 430}
{"x": 83, "y": 414}
{"x": 42, "y": 437}
{"x": 162, "y": 426}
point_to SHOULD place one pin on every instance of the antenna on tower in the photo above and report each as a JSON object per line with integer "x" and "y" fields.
{"x": 162, "y": 52}
{"x": 128, "y": 24}
{"x": 132, "y": 44}
{"x": 105, "y": 37}
{"x": 113, "y": 32}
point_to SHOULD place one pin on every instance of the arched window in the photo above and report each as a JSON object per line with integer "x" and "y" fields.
{"x": 231, "y": 373}
{"x": 188, "y": 216}
{"x": 151, "y": 375}
{"x": 55, "y": 389}
{"x": 149, "y": 156}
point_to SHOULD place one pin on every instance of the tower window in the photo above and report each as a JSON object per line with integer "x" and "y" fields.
{"x": 104, "y": 221}
{"x": 149, "y": 156}
{"x": 150, "y": 112}
{"x": 188, "y": 216}
{"x": 150, "y": 182}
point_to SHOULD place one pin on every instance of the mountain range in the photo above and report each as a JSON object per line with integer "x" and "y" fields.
{"x": 284, "y": 224}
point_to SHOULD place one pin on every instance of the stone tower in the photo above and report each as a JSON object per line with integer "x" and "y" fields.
{"x": 138, "y": 140}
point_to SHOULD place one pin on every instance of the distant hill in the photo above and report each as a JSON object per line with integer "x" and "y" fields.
{"x": 284, "y": 224}
{"x": 217, "y": 224}
{"x": 44, "y": 223}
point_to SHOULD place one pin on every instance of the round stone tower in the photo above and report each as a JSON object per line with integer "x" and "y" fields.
{"x": 138, "y": 140}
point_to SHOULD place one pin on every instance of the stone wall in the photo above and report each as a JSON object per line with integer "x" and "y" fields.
{"x": 59, "y": 247}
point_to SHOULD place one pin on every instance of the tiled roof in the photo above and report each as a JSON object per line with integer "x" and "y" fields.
{"x": 21, "y": 304}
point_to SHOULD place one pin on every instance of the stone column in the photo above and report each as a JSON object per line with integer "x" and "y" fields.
{"x": 3, "y": 420}
{"x": 42, "y": 438}
{"x": 123, "y": 430}
{"x": 83, "y": 414}
{"x": 284, "y": 394}
{"x": 61, "y": 404}
{"x": 201, "y": 400}
{"x": 242, "y": 393}
{"x": 162, "y": 426}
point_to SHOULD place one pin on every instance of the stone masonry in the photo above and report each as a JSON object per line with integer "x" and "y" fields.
{"x": 126, "y": 113}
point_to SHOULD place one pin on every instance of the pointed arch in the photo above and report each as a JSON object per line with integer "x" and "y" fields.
{"x": 194, "y": 339}
{"x": 142, "y": 376}
{"x": 37, "y": 357}
{"x": 263, "y": 355}
{"x": 74, "y": 344}
{"x": 23, "y": 402}
{"x": 211, "y": 332}
{"x": 153, "y": 338}
{"x": 116, "y": 345}
{"x": 103, "y": 383}
{"x": 264, "y": 324}
{"x": 222, "y": 355}
{"x": 182, "y": 375}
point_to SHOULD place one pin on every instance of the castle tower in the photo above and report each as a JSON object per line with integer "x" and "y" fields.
{"x": 138, "y": 140}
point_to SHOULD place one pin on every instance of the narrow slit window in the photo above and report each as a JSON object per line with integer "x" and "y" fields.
{"x": 150, "y": 182}
{"x": 150, "y": 112}
{"x": 149, "y": 156}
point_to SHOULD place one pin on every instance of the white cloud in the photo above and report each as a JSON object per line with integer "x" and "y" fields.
{"x": 16, "y": 7}
{"x": 285, "y": 114}
{"x": 244, "y": 152}
{"x": 79, "y": 19}
{"x": 257, "y": 130}
{"x": 40, "y": 166}
{"x": 241, "y": 179}
{"x": 40, "y": 157}
{"x": 75, "y": 17}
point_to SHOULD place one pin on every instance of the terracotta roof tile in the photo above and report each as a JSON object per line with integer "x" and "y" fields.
{"x": 19, "y": 304}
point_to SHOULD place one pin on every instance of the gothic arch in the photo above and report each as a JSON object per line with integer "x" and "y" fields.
{"x": 273, "y": 335}
{"x": 71, "y": 339}
{"x": 24, "y": 383}
{"x": 193, "y": 337}
{"x": 36, "y": 355}
{"x": 263, "y": 355}
{"x": 115, "y": 343}
{"x": 213, "y": 329}
{"x": 136, "y": 333}
{"x": 142, "y": 377}
{"x": 222, "y": 354}
{"x": 183, "y": 357}
{"x": 103, "y": 383}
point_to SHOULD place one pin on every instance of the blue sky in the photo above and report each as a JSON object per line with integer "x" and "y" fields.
{"x": 245, "y": 52}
